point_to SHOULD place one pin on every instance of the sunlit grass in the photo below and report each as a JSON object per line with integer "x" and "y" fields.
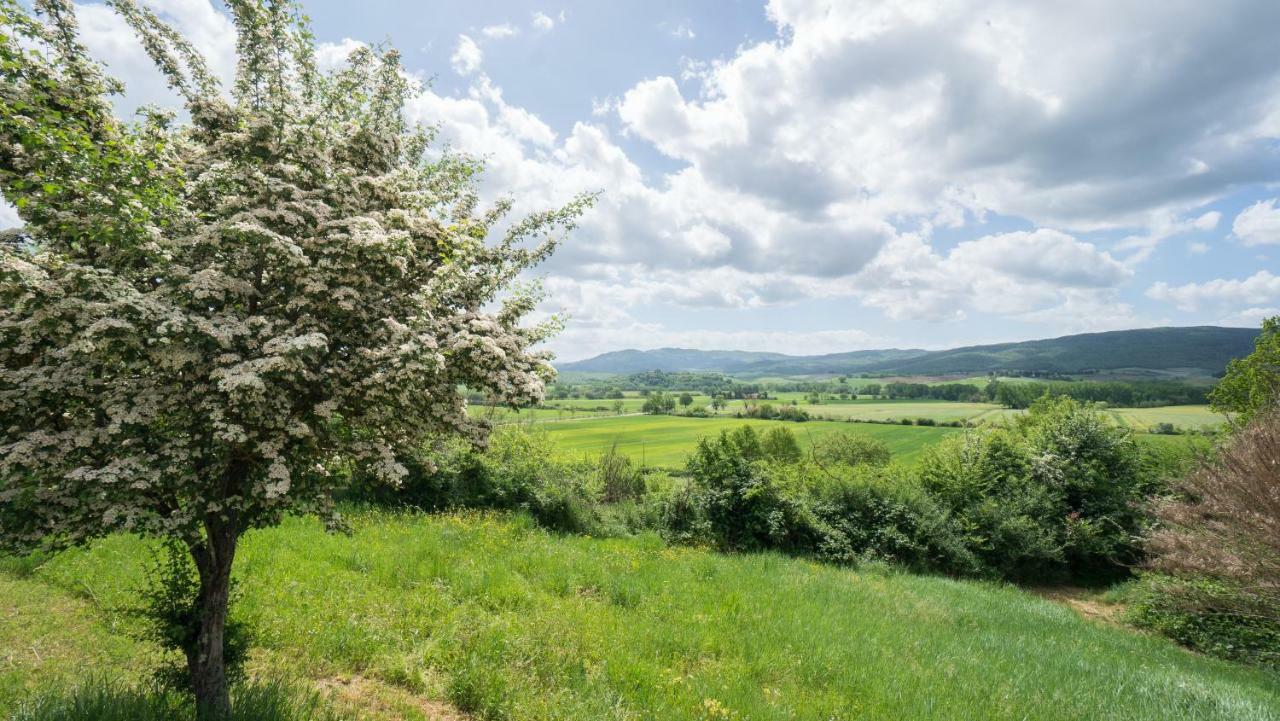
{"x": 667, "y": 441}
{"x": 508, "y": 622}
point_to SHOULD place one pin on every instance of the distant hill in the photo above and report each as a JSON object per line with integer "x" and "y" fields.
{"x": 1199, "y": 350}
{"x": 671, "y": 359}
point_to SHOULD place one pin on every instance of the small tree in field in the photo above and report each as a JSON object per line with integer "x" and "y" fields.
{"x": 203, "y": 318}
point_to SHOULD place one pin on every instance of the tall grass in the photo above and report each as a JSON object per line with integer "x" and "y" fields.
{"x": 104, "y": 699}
{"x": 507, "y": 621}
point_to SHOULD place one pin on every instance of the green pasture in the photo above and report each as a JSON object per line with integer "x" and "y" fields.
{"x": 666, "y": 441}
{"x": 1184, "y": 417}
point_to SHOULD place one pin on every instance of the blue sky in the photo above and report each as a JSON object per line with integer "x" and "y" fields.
{"x": 807, "y": 176}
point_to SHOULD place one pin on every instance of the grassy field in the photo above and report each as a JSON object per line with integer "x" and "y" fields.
{"x": 412, "y": 616}
{"x": 1184, "y": 417}
{"x": 666, "y": 441}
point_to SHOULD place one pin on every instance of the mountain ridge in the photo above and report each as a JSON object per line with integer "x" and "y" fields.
{"x": 1205, "y": 349}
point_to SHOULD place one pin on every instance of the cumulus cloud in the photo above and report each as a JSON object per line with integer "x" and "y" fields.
{"x": 1015, "y": 274}
{"x": 467, "y": 56}
{"x": 1261, "y": 287}
{"x": 1259, "y": 224}
{"x": 815, "y": 164}
{"x": 931, "y": 109}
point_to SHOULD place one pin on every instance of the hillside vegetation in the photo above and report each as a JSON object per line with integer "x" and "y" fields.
{"x": 1200, "y": 350}
{"x": 505, "y": 621}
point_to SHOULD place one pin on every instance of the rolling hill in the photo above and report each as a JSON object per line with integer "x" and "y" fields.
{"x": 1197, "y": 350}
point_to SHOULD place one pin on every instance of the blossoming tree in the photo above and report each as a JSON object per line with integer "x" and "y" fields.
{"x": 200, "y": 318}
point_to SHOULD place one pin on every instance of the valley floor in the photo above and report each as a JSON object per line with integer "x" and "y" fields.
{"x": 430, "y": 617}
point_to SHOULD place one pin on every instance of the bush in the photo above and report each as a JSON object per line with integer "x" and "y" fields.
{"x": 1204, "y": 614}
{"x": 1220, "y": 532}
{"x": 779, "y": 444}
{"x": 518, "y": 471}
{"x": 745, "y": 508}
{"x": 867, "y": 513}
{"x": 1054, "y": 496}
{"x": 619, "y": 480}
{"x": 851, "y": 449}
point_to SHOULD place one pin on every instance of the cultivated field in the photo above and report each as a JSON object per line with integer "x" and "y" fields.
{"x": 417, "y": 617}
{"x": 1184, "y": 417}
{"x": 666, "y": 441}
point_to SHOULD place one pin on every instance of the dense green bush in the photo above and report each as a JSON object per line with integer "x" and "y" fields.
{"x": 517, "y": 472}
{"x": 867, "y": 513}
{"x": 1054, "y": 496}
{"x": 746, "y": 507}
{"x": 779, "y": 444}
{"x": 1203, "y": 614}
{"x": 851, "y": 449}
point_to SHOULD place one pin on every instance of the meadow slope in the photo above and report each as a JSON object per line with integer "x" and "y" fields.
{"x": 505, "y": 621}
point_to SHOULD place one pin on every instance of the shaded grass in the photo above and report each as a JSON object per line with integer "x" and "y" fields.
{"x": 509, "y": 622}
{"x": 104, "y": 699}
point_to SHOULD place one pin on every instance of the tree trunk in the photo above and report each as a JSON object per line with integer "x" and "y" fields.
{"x": 205, "y": 661}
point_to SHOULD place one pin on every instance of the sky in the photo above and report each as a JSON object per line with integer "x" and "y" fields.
{"x": 809, "y": 176}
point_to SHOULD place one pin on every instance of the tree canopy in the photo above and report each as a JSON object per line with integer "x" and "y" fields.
{"x": 207, "y": 317}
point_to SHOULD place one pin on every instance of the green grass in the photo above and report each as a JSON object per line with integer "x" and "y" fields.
{"x": 1184, "y": 417}
{"x": 667, "y": 441}
{"x": 508, "y": 622}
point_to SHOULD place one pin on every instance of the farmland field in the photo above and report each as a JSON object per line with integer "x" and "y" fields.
{"x": 1184, "y": 417}
{"x": 420, "y": 617}
{"x": 666, "y": 441}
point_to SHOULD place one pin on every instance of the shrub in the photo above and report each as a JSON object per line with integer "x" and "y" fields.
{"x": 851, "y": 449}
{"x": 744, "y": 506}
{"x": 1055, "y": 495}
{"x": 619, "y": 480}
{"x": 866, "y": 513}
{"x": 519, "y": 471}
{"x": 779, "y": 444}
{"x": 1222, "y": 531}
{"x": 1206, "y": 615}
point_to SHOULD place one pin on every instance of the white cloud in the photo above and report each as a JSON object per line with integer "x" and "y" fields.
{"x": 467, "y": 56}
{"x": 1259, "y": 224}
{"x": 1249, "y": 317}
{"x": 330, "y": 56}
{"x": 801, "y": 162}
{"x": 542, "y": 21}
{"x": 1261, "y": 287}
{"x": 499, "y": 32}
{"x": 934, "y": 109}
{"x": 1197, "y": 248}
{"x": 1016, "y": 274}
{"x": 1208, "y": 221}
{"x": 111, "y": 40}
